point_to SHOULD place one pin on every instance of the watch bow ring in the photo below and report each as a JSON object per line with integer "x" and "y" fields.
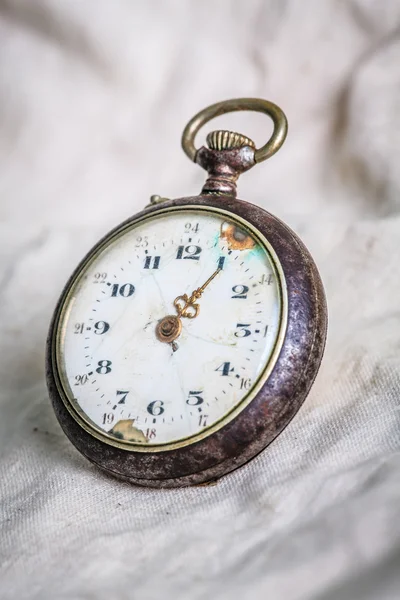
{"x": 222, "y": 139}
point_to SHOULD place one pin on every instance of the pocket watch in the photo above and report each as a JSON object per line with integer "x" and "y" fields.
{"x": 190, "y": 335}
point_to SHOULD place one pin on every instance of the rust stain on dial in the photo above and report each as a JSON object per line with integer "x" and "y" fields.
{"x": 236, "y": 238}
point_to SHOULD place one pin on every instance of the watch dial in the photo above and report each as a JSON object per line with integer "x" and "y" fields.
{"x": 117, "y": 373}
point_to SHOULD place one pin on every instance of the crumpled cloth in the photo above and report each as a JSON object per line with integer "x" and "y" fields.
{"x": 93, "y": 99}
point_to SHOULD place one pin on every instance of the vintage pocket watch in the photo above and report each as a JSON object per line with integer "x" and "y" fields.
{"x": 190, "y": 335}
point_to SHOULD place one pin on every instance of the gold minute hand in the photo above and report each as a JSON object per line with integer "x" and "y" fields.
{"x": 186, "y": 306}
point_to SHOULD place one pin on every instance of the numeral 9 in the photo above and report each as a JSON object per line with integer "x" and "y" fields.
{"x": 101, "y": 327}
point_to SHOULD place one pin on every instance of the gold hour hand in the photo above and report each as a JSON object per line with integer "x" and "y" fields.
{"x": 170, "y": 327}
{"x": 186, "y": 306}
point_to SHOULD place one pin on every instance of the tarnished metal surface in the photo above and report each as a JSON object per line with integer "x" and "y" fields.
{"x": 272, "y": 409}
{"x": 224, "y": 167}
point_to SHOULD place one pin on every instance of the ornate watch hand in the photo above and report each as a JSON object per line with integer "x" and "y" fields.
{"x": 186, "y": 306}
{"x": 170, "y": 327}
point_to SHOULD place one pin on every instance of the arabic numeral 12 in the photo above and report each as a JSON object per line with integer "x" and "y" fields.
{"x": 189, "y": 252}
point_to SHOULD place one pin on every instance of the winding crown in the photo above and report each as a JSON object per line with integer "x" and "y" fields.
{"x": 228, "y": 140}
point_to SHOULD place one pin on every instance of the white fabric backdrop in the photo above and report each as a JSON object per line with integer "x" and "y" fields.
{"x": 93, "y": 98}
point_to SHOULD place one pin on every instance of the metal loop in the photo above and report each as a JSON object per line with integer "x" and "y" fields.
{"x": 255, "y": 104}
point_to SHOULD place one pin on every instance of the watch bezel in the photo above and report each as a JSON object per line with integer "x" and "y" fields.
{"x": 61, "y": 379}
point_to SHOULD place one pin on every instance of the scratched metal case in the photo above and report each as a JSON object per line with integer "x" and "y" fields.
{"x": 283, "y": 387}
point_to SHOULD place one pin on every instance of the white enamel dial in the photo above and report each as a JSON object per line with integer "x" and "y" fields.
{"x": 125, "y": 384}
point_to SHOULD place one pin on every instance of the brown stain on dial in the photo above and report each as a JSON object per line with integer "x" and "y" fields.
{"x": 235, "y": 237}
{"x": 124, "y": 430}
